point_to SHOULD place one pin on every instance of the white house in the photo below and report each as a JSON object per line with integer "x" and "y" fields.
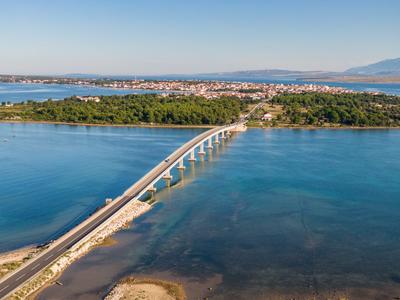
{"x": 89, "y": 98}
{"x": 266, "y": 117}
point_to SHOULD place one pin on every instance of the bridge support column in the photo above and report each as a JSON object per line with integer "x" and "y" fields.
{"x": 217, "y": 138}
{"x": 192, "y": 157}
{"x": 228, "y": 133}
{"x": 209, "y": 145}
{"x": 167, "y": 175}
{"x": 181, "y": 166}
{"x": 223, "y": 135}
{"x": 201, "y": 152}
{"x": 152, "y": 189}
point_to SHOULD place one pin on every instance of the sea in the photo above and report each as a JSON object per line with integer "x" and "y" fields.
{"x": 286, "y": 213}
{"x": 19, "y": 92}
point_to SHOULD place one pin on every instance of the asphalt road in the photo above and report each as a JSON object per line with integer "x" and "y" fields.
{"x": 50, "y": 255}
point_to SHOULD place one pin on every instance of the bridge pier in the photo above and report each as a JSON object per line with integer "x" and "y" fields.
{"x": 217, "y": 138}
{"x": 167, "y": 175}
{"x": 181, "y": 166}
{"x": 192, "y": 157}
{"x": 152, "y": 189}
{"x": 223, "y": 135}
{"x": 209, "y": 145}
{"x": 201, "y": 152}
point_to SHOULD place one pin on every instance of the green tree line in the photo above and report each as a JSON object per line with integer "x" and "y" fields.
{"x": 132, "y": 109}
{"x": 358, "y": 109}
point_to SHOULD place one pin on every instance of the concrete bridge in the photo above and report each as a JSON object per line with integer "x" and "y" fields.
{"x": 34, "y": 266}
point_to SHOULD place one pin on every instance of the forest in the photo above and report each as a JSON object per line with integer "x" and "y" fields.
{"x": 130, "y": 109}
{"x": 356, "y": 109}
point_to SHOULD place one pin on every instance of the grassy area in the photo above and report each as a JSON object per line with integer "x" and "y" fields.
{"x": 8, "y": 267}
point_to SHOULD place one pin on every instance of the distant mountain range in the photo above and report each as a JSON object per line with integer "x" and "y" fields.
{"x": 386, "y": 70}
{"x": 387, "y": 67}
{"x": 383, "y": 71}
{"x": 270, "y": 74}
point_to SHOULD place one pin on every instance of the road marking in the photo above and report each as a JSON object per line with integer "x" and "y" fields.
{"x": 35, "y": 267}
{"x": 20, "y": 277}
{"x": 60, "y": 250}
{"x": 48, "y": 257}
{"x": 4, "y": 288}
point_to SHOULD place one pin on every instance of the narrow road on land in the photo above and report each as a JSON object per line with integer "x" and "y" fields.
{"x": 35, "y": 265}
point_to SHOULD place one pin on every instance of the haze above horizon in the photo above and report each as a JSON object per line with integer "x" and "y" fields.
{"x": 166, "y": 37}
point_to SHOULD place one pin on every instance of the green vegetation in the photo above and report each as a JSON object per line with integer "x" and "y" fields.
{"x": 311, "y": 109}
{"x": 343, "y": 109}
{"x": 130, "y": 109}
{"x": 8, "y": 267}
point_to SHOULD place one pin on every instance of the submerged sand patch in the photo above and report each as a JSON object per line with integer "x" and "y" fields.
{"x": 146, "y": 289}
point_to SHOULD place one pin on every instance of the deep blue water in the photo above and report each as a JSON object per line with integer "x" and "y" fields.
{"x": 18, "y": 92}
{"x": 271, "y": 214}
{"x": 53, "y": 176}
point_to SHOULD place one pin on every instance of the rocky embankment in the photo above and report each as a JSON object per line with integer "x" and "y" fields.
{"x": 120, "y": 220}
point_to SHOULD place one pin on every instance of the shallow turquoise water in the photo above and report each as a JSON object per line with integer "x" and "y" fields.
{"x": 270, "y": 214}
{"x": 53, "y": 176}
{"x": 18, "y": 92}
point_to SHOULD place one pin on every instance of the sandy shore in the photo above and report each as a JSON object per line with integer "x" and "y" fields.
{"x": 16, "y": 255}
{"x": 147, "y": 289}
{"x": 11, "y": 260}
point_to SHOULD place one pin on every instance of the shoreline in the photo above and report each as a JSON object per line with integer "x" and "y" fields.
{"x": 16, "y": 254}
{"x": 107, "y": 125}
{"x": 304, "y": 127}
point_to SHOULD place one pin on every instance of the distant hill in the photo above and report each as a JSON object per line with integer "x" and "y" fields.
{"x": 271, "y": 73}
{"x": 387, "y": 67}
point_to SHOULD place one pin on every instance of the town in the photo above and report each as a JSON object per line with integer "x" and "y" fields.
{"x": 209, "y": 89}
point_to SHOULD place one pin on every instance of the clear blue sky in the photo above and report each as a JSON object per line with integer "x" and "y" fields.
{"x": 191, "y": 36}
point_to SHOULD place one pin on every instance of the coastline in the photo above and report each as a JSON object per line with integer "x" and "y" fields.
{"x": 107, "y": 125}
{"x": 304, "y": 127}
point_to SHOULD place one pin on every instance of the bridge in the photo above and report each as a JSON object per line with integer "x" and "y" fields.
{"x": 34, "y": 266}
